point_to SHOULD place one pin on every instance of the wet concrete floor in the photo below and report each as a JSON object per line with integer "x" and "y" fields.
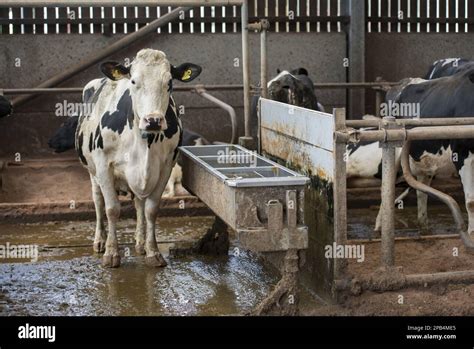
{"x": 71, "y": 280}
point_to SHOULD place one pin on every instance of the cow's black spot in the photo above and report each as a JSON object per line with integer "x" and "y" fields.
{"x": 150, "y": 137}
{"x": 79, "y": 149}
{"x": 179, "y": 143}
{"x": 98, "y": 140}
{"x": 88, "y": 94}
{"x": 91, "y": 143}
{"x": 117, "y": 120}
{"x": 171, "y": 120}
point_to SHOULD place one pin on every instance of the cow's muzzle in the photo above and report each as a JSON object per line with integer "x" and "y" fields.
{"x": 153, "y": 123}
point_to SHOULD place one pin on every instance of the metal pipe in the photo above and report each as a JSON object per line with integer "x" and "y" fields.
{"x": 386, "y": 283}
{"x": 263, "y": 58}
{"x": 246, "y": 66}
{"x": 350, "y": 123}
{"x": 389, "y": 177}
{"x": 448, "y": 200}
{"x": 340, "y": 194}
{"x": 113, "y": 48}
{"x": 229, "y": 109}
{"x": 106, "y": 3}
{"x": 55, "y": 90}
{"x": 414, "y": 122}
{"x": 419, "y": 133}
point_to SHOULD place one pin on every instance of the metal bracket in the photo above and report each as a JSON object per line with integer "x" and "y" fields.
{"x": 390, "y": 123}
{"x": 280, "y": 234}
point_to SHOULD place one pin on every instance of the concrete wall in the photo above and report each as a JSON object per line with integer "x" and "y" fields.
{"x": 43, "y": 56}
{"x": 395, "y": 56}
{"x": 390, "y": 55}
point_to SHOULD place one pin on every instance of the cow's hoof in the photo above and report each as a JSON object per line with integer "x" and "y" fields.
{"x": 156, "y": 261}
{"x": 111, "y": 261}
{"x": 99, "y": 247}
{"x": 140, "y": 249}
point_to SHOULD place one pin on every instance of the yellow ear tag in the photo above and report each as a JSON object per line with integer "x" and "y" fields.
{"x": 116, "y": 74}
{"x": 187, "y": 74}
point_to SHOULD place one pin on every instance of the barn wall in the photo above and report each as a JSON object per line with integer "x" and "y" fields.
{"x": 43, "y": 56}
{"x": 395, "y": 56}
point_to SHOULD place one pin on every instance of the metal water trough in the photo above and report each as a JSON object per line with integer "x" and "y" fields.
{"x": 258, "y": 198}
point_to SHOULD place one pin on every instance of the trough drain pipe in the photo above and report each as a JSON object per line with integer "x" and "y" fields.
{"x": 448, "y": 200}
{"x": 200, "y": 90}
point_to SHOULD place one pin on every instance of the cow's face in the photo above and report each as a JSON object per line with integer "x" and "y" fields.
{"x": 64, "y": 137}
{"x": 288, "y": 88}
{"x": 150, "y": 78}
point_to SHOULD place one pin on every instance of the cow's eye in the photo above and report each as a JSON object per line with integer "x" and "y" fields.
{"x": 133, "y": 82}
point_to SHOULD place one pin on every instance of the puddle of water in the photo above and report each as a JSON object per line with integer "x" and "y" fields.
{"x": 71, "y": 281}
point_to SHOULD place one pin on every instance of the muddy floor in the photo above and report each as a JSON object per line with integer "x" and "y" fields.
{"x": 70, "y": 280}
{"x": 422, "y": 255}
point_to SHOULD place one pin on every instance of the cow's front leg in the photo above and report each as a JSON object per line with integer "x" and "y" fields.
{"x": 100, "y": 235}
{"x": 141, "y": 226}
{"x": 111, "y": 257}
{"x": 467, "y": 178}
{"x": 422, "y": 203}
{"x": 153, "y": 255}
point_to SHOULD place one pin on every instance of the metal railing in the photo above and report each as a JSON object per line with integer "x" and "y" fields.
{"x": 393, "y": 133}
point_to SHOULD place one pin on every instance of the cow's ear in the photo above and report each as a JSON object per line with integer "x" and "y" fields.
{"x": 186, "y": 72}
{"x": 115, "y": 71}
{"x": 300, "y": 71}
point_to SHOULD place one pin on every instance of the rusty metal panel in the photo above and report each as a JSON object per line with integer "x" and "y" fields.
{"x": 300, "y": 137}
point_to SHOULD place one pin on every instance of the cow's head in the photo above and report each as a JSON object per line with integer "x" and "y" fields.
{"x": 64, "y": 137}
{"x": 294, "y": 88}
{"x": 150, "y": 78}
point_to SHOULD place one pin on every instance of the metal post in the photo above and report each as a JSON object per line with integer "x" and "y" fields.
{"x": 339, "y": 189}
{"x": 356, "y": 54}
{"x": 389, "y": 176}
{"x": 265, "y": 25}
{"x": 246, "y": 141}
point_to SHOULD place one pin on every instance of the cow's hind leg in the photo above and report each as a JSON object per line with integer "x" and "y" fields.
{"x": 467, "y": 177}
{"x": 100, "y": 235}
{"x": 422, "y": 203}
{"x": 141, "y": 226}
{"x": 153, "y": 255}
{"x": 111, "y": 257}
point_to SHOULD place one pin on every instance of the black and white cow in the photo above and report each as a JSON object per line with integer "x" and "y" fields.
{"x": 5, "y": 107}
{"x": 447, "y": 67}
{"x": 449, "y": 96}
{"x": 129, "y": 142}
{"x": 64, "y": 140}
{"x": 294, "y": 87}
